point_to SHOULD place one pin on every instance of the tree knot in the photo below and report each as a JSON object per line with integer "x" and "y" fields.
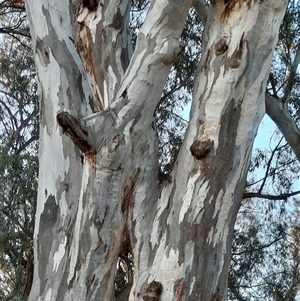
{"x": 152, "y": 292}
{"x": 221, "y": 46}
{"x": 201, "y": 148}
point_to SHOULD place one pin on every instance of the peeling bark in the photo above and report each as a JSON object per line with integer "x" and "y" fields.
{"x": 98, "y": 100}
{"x": 103, "y": 42}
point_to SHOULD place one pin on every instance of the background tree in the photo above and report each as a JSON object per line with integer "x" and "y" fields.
{"x": 18, "y": 152}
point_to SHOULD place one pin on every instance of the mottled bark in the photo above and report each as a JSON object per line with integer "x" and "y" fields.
{"x": 99, "y": 191}
{"x": 103, "y": 41}
{"x": 197, "y": 211}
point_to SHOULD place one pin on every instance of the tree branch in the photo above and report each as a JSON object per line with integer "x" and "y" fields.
{"x": 268, "y": 167}
{"x": 234, "y": 289}
{"x": 260, "y": 248}
{"x": 292, "y": 75}
{"x": 282, "y": 196}
{"x": 278, "y": 112}
{"x": 12, "y": 31}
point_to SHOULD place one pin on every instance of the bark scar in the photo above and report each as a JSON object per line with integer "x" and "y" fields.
{"x": 221, "y": 46}
{"x": 230, "y": 5}
{"x": 128, "y": 191}
{"x": 73, "y": 128}
{"x": 180, "y": 290}
{"x": 235, "y": 59}
{"x": 241, "y": 47}
{"x": 205, "y": 66}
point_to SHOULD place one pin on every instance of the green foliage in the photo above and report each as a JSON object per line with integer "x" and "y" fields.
{"x": 18, "y": 156}
{"x": 265, "y": 261}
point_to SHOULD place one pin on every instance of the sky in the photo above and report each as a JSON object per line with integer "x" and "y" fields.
{"x": 265, "y": 131}
{"x": 263, "y": 137}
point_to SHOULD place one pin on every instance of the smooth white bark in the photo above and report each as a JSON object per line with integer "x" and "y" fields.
{"x": 111, "y": 201}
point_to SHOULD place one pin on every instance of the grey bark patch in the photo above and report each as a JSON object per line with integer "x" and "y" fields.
{"x": 117, "y": 20}
{"x": 47, "y": 223}
{"x": 61, "y": 54}
{"x": 226, "y": 151}
{"x": 43, "y": 52}
{"x": 85, "y": 240}
{"x": 63, "y": 286}
{"x": 124, "y": 58}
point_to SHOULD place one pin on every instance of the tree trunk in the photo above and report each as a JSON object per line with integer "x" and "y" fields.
{"x": 100, "y": 193}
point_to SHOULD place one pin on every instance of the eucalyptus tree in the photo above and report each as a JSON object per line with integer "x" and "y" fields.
{"x": 18, "y": 152}
{"x": 265, "y": 264}
{"x": 101, "y": 192}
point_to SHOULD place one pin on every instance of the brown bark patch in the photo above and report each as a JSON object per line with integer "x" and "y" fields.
{"x": 205, "y": 67}
{"x": 230, "y": 5}
{"x": 180, "y": 288}
{"x": 215, "y": 297}
{"x": 221, "y": 46}
{"x": 241, "y": 47}
{"x": 89, "y": 54}
{"x": 83, "y": 47}
{"x": 235, "y": 59}
{"x": 201, "y": 148}
{"x": 128, "y": 192}
{"x": 126, "y": 244}
{"x": 125, "y": 294}
{"x": 46, "y": 56}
